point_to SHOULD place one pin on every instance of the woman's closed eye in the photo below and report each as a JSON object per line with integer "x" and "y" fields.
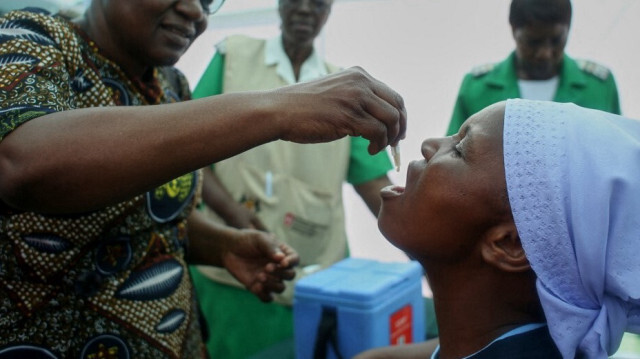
{"x": 457, "y": 150}
{"x": 460, "y": 142}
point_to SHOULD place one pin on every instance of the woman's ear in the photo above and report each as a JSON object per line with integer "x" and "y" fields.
{"x": 501, "y": 247}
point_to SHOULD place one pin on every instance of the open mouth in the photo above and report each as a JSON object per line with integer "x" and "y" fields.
{"x": 391, "y": 191}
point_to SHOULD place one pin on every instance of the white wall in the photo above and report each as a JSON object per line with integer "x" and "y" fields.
{"x": 422, "y": 48}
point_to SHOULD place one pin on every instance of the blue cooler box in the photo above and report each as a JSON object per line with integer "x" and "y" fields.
{"x": 355, "y": 305}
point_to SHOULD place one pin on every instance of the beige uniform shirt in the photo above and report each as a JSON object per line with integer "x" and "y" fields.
{"x": 295, "y": 189}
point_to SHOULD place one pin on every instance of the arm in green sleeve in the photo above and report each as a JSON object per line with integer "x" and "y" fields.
{"x": 367, "y": 173}
{"x": 364, "y": 167}
{"x": 615, "y": 100}
{"x": 459, "y": 112}
{"x": 212, "y": 79}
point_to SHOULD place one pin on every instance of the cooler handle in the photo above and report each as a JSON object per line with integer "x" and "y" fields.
{"x": 327, "y": 334}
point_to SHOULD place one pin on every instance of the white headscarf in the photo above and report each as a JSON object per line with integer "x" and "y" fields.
{"x": 573, "y": 177}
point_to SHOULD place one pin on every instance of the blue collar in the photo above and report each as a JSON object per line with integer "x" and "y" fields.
{"x": 519, "y": 330}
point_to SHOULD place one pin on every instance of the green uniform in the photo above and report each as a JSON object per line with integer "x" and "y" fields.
{"x": 584, "y": 83}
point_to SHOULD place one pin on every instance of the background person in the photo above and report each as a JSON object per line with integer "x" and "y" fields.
{"x": 538, "y": 69}
{"x": 97, "y": 186}
{"x": 291, "y": 190}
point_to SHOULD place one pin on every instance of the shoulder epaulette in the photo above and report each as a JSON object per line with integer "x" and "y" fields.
{"x": 482, "y": 69}
{"x": 594, "y": 69}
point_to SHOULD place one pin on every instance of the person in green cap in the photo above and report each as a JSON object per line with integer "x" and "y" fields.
{"x": 538, "y": 69}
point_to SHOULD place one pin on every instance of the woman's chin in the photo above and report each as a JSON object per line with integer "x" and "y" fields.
{"x": 386, "y": 224}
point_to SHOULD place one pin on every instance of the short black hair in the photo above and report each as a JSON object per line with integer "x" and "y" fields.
{"x": 528, "y": 12}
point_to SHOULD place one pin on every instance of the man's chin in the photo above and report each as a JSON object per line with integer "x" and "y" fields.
{"x": 542, "y": 73}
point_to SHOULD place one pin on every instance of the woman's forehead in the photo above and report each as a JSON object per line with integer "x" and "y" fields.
{"x": 488, "y": 122}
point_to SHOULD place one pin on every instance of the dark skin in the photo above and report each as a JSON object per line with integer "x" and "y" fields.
{"x": 101, "y": 156}
{"x": 419, "y": 350}
{"x": 254, "y": 258}
{"x": 540, "y": 49}
{"x": 482, "y": 283}
{"x": 234, "y": 214}
{"x": 302, "y": 21}
{"x": 468, "y": 322}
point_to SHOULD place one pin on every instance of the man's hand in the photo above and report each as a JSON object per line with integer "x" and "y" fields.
{"x": 254, "y": 258}
{"x": 260, "y": 263}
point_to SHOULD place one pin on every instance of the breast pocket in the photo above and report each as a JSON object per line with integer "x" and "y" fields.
{"x": 298, "y": 213}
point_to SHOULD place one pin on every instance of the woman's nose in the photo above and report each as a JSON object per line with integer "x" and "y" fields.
{"x": 429, "y": 147}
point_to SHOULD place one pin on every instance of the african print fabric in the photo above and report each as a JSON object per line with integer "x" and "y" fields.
{"x": 106, "y": 284}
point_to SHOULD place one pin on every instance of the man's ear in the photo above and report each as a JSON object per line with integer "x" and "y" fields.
{"x": 501, "y": 247}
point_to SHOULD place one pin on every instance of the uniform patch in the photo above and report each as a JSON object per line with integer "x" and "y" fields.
{"x": 253, "y": 204}
{"x": 594, "y": 69}
{"x": 482, "y": 69}
{"x": 303, "y": 226}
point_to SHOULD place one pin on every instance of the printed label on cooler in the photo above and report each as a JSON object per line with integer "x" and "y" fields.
{"x": 400, "y": 326}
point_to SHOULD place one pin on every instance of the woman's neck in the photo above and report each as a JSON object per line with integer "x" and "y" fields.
{"x": 473, "y": 311}
{"x": 95, "y": 27}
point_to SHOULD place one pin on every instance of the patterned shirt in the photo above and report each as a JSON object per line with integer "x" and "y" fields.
{"x": 111, "y": 283}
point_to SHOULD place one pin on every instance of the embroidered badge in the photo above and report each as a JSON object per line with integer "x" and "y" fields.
{"x": 301, "y": 225}
{"x": 253, "y": 204}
